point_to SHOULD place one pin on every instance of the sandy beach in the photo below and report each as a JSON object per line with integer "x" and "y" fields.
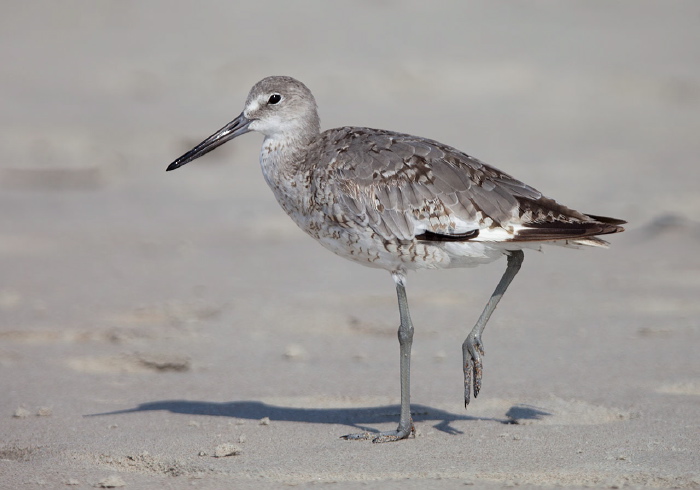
{"x": 177, "y": 330}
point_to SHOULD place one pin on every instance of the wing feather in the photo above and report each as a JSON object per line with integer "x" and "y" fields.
{"x": 403, "y": 186}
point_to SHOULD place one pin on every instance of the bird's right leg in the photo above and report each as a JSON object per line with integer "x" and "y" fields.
{"x": 472, "y": 348}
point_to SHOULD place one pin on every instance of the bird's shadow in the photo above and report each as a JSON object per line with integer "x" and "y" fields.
{"x": 359, "y": 418}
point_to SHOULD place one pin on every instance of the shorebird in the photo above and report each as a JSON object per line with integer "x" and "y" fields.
{"x": 399, "y": 202}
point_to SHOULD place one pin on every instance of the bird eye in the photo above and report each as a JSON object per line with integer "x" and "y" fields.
{"x": 274, "y": 99}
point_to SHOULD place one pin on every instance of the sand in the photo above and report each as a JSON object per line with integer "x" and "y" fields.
{"x": 178, "y": 331}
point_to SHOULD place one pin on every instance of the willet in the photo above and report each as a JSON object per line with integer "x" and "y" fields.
{"x": 398, "y": 202}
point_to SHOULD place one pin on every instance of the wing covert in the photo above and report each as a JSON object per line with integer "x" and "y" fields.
{"x": 403, "y": 186}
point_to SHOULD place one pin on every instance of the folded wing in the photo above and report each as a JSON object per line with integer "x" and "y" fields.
{"x": 407, "y": 188}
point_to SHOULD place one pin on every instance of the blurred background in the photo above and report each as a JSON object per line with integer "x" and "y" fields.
{"x": 594, "y": 103}
{"x": 112, "y": 271}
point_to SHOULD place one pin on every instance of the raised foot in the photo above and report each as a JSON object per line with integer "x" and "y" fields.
{"x": 386, "y": 436}
{"x": 472, "y": 350}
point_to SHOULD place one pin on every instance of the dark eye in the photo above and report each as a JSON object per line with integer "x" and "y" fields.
{"x": 274, "y": 98}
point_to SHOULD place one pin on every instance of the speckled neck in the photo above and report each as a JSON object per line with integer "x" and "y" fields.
{"x": 283, "y": 167}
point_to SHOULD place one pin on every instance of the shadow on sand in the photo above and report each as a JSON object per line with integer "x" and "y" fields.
{"x": 354, "y": 417}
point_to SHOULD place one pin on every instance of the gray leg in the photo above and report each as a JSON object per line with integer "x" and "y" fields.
{"x": 472, "y": 348}
{"x": 405, "y": 427}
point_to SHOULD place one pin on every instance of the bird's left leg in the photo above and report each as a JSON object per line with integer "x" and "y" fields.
{"x": 472, "y": 348}
{"x": 405, "y": 334}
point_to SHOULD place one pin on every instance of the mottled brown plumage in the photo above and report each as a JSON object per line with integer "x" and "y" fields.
{"x": 399, "y": 184}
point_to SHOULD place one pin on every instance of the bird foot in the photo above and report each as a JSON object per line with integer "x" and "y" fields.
{"x": 472, "y": 350}
{"x": 386, "y": 436}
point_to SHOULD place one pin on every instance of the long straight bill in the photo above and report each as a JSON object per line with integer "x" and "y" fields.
{"x": 235, "y": 128}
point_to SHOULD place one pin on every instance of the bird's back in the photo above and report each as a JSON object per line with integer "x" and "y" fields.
{"x": 403, "y": 187}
